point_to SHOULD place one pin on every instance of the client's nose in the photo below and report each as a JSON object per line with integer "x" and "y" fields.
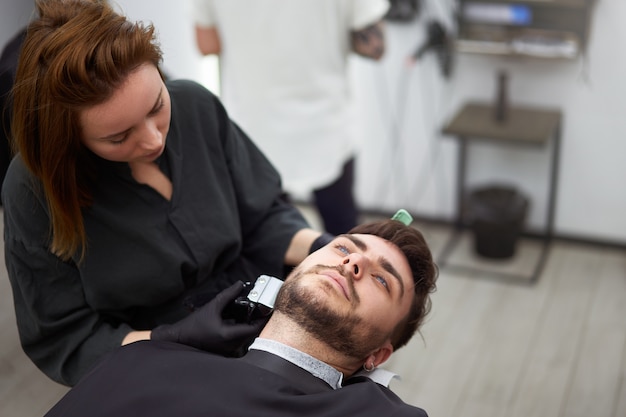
{"x": 356, "y": 263}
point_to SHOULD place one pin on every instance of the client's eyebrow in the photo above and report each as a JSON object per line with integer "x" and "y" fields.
{"x": 387, "y": 266}
{"x": 384, "y": 262}
{"x": 357, "y": 242}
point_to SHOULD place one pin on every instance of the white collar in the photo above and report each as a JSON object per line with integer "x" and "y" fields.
{"x": 317, "y": 368}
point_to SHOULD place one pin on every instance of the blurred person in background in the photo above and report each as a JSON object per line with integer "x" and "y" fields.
{"x": 284, "y": 73}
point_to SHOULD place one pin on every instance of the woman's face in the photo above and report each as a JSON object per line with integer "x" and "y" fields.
{"x": 132, "y": 125}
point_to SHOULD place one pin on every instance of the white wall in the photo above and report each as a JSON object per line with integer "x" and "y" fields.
{"x": 174, "y": 25}
{"x": 407, "y": 163}
{"x": 414, "y": 166}
{"x": 171, "y": 19}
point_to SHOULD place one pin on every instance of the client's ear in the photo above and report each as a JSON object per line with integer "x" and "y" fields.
{"x": 383, "y": 353}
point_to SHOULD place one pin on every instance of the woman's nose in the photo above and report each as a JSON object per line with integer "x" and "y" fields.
{"x": 152, "y": 137}
{"x": 356, "y": 263}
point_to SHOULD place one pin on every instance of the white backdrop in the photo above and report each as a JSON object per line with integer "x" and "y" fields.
{"x": 407, "y": 163}
{"x": 414, "y": 166}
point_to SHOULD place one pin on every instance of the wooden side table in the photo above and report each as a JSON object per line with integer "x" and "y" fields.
{"x": 523, "y": 126}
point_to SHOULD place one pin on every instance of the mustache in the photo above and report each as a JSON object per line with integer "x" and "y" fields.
{"x": 341, "y": 271}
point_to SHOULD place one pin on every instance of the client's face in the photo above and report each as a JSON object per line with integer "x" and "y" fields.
{"x": 350, "y": 294}
{"x": 132, "y": 125}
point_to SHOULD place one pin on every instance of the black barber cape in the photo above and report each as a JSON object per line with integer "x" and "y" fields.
{"x": 166, "y": 379}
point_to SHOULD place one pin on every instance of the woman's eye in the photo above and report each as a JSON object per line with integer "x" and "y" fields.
{"x": 119, "y": 141}
{"x": 158, "y": 107}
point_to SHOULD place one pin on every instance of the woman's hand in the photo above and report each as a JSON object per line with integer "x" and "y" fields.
{"x": 206, "y": 328}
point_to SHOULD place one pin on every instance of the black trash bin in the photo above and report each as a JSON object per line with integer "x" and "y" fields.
{"x": 497, "y": 214}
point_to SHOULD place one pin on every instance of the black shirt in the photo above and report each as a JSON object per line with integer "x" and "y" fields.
{"x": 146, "y": 256}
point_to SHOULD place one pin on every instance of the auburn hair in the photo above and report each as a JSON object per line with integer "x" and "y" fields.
{"x": 75, "y": 55}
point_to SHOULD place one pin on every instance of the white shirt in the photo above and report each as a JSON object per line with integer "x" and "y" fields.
{"x": 285, "y": 79}
{"x": 317, "y": 368}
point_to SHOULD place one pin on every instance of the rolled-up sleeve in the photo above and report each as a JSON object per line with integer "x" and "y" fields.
{"x": 203, "y": 12}
{"x": 367, "y": 12}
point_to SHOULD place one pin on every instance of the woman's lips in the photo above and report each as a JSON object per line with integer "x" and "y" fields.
{"x": 154, "y": 155}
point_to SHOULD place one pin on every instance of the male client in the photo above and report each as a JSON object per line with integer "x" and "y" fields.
{"x": 339, "y": 315}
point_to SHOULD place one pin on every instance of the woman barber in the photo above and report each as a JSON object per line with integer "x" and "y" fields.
{"x": 132, "y": 201}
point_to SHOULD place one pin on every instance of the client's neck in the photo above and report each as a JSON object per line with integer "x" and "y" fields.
{"x": 284, "y": 330}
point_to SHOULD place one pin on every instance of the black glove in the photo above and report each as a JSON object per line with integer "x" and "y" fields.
{"x": 207, "y": 329}
{"x": 321, "y": 241}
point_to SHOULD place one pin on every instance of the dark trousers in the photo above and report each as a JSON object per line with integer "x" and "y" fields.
{"x": 335, "y": 203}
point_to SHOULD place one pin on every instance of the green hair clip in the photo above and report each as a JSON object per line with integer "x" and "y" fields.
{"x": 403, "y": 217}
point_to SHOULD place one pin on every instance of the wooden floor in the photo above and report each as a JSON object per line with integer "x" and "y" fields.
{"x": 489, "y": 348}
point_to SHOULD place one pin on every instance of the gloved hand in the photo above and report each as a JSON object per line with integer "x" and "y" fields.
{"x": 206, "y": 329}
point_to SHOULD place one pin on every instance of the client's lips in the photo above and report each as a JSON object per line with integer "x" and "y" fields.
{"x": 340, "y": 281}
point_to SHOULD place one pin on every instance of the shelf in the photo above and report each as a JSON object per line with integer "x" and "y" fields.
{"x": 540, "y": 29}
{"x": 523, "y": 124}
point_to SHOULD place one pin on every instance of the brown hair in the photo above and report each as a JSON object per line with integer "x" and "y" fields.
{"x": 424, "y": 270}
{"x": 75, "y": 55}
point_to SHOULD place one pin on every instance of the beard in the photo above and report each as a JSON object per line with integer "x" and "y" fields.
{"x": 309, "y": 307}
